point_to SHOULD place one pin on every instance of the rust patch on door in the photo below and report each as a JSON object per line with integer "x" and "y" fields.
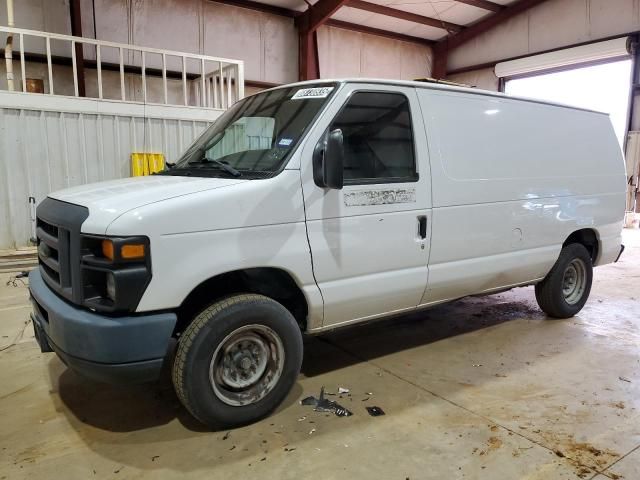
{"x": 360, "y": 198}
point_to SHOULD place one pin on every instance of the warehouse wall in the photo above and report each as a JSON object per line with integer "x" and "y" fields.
{"x": 44, "y": 148}
{"x": 267, "y": 43}
{"x": 553, "y": 24}
{"x": 46, "y": 15}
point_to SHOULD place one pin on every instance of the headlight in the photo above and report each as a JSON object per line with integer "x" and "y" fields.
{"x": 115, "y": 272}
{"x": 111, "y": 286}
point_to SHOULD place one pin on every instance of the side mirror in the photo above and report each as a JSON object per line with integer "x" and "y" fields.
{"x": 328, "y": 161}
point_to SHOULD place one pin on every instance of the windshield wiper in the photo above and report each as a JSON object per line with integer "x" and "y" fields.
{"x": 223, "y": 166}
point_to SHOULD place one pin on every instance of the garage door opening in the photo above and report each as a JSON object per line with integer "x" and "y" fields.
{"x": 603, "y": 87}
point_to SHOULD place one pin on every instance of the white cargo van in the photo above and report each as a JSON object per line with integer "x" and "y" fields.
{"x": 314, "y": 206}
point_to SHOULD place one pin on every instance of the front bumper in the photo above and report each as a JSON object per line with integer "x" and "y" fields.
{"x": 113, "y": 349}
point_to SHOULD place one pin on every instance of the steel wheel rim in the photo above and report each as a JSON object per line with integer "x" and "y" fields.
{"x": 574, "y": 281}
{"x": 246, "y": 365}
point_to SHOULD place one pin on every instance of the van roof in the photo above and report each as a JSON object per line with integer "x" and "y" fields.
{"x": 438, "y": 86}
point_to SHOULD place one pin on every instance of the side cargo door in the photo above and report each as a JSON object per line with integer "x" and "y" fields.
{"x": 370, "y": 240}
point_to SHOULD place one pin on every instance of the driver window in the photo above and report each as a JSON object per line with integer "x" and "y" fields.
{"x": 378, "y": 139}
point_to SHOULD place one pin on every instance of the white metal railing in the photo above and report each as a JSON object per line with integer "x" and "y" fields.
{"x": 205, "y": 81}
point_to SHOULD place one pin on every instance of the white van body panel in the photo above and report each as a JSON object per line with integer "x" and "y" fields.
{"x": 511, "y": 181}
{"x": 257, "y": 223}
{"x": 108, "y": 200}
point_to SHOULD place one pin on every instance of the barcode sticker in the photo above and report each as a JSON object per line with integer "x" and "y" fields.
{"x": 315, "y": 92}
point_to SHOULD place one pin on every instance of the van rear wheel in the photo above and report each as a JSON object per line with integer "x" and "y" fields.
{"x": 565, "y": 289}
{"x": 237, "y": 361}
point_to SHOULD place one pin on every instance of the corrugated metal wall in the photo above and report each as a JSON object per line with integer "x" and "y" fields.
{"x": 73, "y": 142}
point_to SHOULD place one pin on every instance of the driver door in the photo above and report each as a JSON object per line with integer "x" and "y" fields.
{"x": 370, "y": 240}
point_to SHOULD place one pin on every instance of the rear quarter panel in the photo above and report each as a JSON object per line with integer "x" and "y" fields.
{"x": 512, "y": 179}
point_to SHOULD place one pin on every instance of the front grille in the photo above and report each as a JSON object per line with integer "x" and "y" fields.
{"x": 48, "y": 228}
{"x": 53, "y": 256}
{"x": 58, "y": 232}
{"x": 53, "y": 248}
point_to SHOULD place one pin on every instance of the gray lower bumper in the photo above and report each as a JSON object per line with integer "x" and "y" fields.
{"x": 115, "y": 349}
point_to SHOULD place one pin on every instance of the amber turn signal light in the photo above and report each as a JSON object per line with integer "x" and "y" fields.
{"x": 132, "y": 251}
{"x": 107, "y": 249}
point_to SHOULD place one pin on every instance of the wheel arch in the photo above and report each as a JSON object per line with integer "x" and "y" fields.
{"x": 273, "y": 282}
{"x": 588, "y": 238}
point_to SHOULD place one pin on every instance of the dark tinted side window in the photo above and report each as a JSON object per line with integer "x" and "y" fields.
{"x": 378, "y": 140}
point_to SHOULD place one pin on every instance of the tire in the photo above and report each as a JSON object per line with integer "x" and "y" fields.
{"x": 237, "y": 361}
{"x": 565, "y": 289}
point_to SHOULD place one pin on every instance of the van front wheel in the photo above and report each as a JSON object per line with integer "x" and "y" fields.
{"x": 565, "y": 289}
{"x": 237, "y": 361}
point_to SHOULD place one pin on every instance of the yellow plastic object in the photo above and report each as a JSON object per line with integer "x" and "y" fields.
{"x": 146, "y": 163}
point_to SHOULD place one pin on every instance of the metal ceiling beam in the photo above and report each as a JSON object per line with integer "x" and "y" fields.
{"x": 317, "y": 14}
{"x": 469, "y": 33}
{"x": 450, "y": 42}
{"x": 260, "y": 7}
{"x": 308, "y": 59}
{"x": 75, "y": 15}
{"x": 376, "y": 31}
{"x": 402, "y": 15}
{"x": 483, "y": 4}
{"x": 284, "y": 12}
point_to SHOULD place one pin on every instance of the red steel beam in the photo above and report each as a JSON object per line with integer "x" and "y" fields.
{"x": 439, "y": 69}
{"x": 443, "y": 47}
{"x": 317, "y": 14}
{"x": 469, "y": 33}
{"x": 483, "y": 4}
{"x": 402, "y": 15}
{"x": 76, "y": 30}
{"x": 308, "y": 61}
{"x": 284, "y": 12}
{"x": 376, "y": 31}
{"x": 260, "y": 7}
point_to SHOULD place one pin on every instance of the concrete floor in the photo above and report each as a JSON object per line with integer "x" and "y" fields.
{"x": 485, "y": 388}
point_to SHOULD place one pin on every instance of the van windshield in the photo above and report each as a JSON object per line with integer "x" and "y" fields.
{"x": 254, "y": 137}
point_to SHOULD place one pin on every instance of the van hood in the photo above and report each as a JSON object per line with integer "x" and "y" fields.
{"x": 106, "y": 201}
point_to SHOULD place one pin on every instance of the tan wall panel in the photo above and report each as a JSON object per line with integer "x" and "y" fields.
{"x": 381, "y": 58}
{"x": 553, "y": 24}
{"x": 558, "y": 23}
{"x": 344, "y": 53}
{"x": 340, "y": 52}
{"x": 235, "y": 33}
{"x": 280, "y": 47}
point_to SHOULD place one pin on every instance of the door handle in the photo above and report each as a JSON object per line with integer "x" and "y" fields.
{"x": 422, "y": 226}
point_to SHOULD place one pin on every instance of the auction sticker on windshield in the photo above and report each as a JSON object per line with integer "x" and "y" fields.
{"x": 315, "y": 92}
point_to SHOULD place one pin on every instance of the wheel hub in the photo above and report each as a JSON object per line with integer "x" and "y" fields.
{"x": 246, "y": 365}
{"x": 244, "y": 361}
{"x": 574, "y": 281}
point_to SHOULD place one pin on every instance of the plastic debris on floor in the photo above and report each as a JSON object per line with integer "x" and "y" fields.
{"x": 321, "y": 404}
{"x": 375, "y": 411}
